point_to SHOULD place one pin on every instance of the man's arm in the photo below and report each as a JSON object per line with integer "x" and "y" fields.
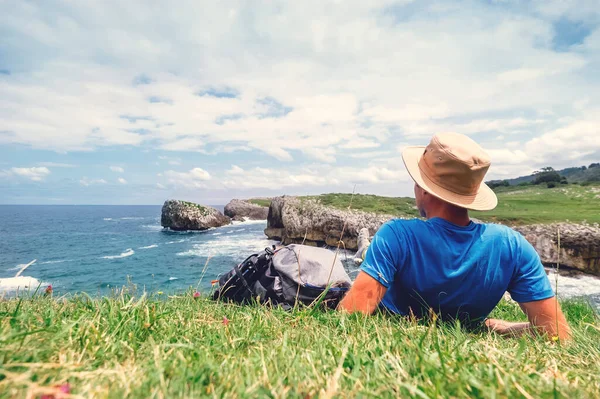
{"x": 545, "y": 317}
{"x": 364, "y": 296}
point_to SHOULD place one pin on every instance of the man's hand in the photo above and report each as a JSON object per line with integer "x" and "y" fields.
{"x": 364, "y": 296}
{"x": 545, "y": 317}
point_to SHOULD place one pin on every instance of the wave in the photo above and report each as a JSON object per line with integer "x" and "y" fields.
{"x": 574, "y": 286}
{"x": 133, "y": 218}
{"x": 175, "y": 242}
{"x": 173, "y": 278}
{"x": 156, "y": 227}
{"x": 125, "y": 254}
{"x": 17, "y": 267}
{"x": 108, "y": 219}
{"x": 149, "y": 246}
{"x": 51, "y": 262}
{"x": 216, "y": 234}
{"x": 233, "y": 247}
{"x": 249, "y": 221}
{"x": 238, "y": 230}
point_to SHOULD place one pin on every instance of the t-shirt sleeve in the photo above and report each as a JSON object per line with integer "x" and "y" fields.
{"x": 384, "y": 255}
{"x": 529, "y": 281}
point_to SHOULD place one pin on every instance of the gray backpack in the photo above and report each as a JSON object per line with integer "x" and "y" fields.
{"x": 287, "y": 276}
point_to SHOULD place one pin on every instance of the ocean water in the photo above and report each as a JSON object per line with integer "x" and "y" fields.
{"x": 98, "y": 248}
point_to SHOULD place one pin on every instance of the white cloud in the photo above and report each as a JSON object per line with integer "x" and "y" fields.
{"x": 57, "y": 164}
{"x": 34, "y": 174}
{"x": 195, "y": 178}
{"x": 320, "y": 176}
{"x": 91, "y": 182}
{"x": 235, "y": 170}
{"x": 117, "y": 169}
{"x": 121, "y": 180}
{"x": 326, "y": 155}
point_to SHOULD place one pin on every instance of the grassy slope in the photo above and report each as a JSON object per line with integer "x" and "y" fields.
{"x": 517, "y": 205}
{"x": 538, "y": 204}
{"x": 180, "y": 347}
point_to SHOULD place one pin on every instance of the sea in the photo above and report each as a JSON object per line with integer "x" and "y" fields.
{"x": 100, "y": 249}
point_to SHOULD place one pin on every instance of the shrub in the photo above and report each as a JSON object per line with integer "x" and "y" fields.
{"x": 551, "y": 184}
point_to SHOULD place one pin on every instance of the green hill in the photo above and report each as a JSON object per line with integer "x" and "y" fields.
{"x": 581, "y": 174}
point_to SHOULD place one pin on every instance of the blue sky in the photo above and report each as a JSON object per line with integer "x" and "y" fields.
{"x": 128, "y": 103}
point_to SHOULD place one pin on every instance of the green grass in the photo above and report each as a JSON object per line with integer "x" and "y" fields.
{"x": 201, "y": 208}
{"x": 397, "y": 206}
{"x": 260, "y": 201}
{"x": 538, "y": 204}
{"x": 180, "y": 347}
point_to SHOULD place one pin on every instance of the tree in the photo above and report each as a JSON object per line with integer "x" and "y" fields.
{"x": 546, "y": 175}
{"x": 594, "y": 165}
{"x": 498, "y": 183}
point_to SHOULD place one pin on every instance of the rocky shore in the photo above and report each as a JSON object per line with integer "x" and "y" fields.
{"x": 579, "y": 244}
{"x": 297, "y": 220}
{"x": 294, "y": 220}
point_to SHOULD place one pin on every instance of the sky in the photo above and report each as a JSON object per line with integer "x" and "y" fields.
{"x": 135, "y": 102}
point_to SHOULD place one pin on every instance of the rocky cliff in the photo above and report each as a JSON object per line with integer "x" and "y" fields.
{"x": 579, "y": 244}
{"x": 294, "y": 220}
{"x": 240, "y": 210}
{"x": 182, "y": 215}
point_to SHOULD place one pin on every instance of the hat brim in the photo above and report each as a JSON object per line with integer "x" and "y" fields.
{"x": 484, "y": 200}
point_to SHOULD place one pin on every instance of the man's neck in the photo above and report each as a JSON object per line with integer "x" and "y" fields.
{"x": 457, "y": 216}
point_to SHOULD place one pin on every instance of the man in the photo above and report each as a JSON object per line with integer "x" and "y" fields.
{"x": 449, "y": 265}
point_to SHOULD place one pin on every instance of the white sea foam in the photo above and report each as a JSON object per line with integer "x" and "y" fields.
{"x": 576, "y": 285}
{"x": 17, "y": 267}
{"x": 51, "y": 262}
{"x": 234, "y": 247}
{"x": 19, "y": 283}
{"x": 133, "y": 218}
{"x": 173, "y": 278}
{"x": 175, "y": 242}
{"x": 156, "y": 227}
{"x": 216, "y": 234}
{"x": 108, "y": 219}
{"x": 249, "y": 221}
{"x": 239, "y": 230}
{"x": 125, "y": 254}
{"x": 149, "y": 246}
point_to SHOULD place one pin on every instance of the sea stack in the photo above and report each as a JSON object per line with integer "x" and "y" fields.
{"x": 241, "y": 210}
{"x": 182, "y": 215}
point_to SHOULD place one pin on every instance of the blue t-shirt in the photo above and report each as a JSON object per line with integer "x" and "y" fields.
{"x": 458, "y": 272}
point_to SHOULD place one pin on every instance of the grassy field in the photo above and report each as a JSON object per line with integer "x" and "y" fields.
{"x": 538, "y": 204}
{"x": 516, "y": 205}
{"x": 184, "y": 347}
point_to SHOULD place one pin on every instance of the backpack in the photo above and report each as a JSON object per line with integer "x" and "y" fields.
{"x": 287, "y": 276}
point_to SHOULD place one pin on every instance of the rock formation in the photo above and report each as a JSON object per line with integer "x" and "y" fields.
{"x": 240, "y": 210}
{"x": 579, "y": 244}
{"x": 295, "y": 220}
{"x": 182, "y": 215}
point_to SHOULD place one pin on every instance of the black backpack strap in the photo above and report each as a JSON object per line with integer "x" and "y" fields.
{"x": 238, "y": 273}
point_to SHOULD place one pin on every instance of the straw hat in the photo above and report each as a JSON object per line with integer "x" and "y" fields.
{"x": 452, "y": 167}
